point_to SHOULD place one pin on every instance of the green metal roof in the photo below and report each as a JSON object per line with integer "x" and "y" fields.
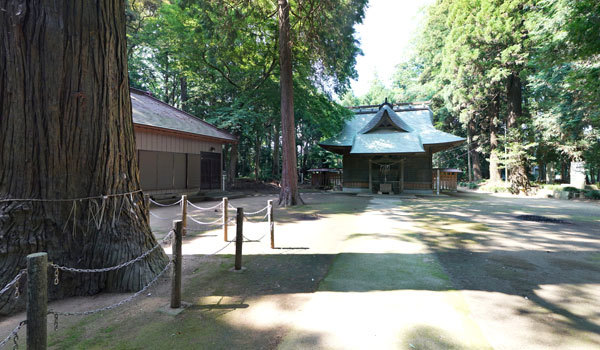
{"x": 414, "y": 130}
{"x": 150, "y": 111}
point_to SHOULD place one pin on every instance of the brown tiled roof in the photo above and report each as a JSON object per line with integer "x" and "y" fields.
{"x": 151, "y": 112}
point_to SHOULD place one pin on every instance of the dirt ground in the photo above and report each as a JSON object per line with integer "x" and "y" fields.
{"x": 459, "y": 271}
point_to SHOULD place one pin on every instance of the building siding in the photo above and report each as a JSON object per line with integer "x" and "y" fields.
{"x": 148, "y": 141}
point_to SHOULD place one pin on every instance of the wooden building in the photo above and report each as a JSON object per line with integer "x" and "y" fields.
{"x": 177, "y": 152}
{"x": 326, "y": 177}
{"x": 389, "y": 148}
{"x": 448, "y": 179}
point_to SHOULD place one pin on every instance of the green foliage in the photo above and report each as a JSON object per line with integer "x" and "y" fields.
{"x": 592, "y": 194}
{"x": 468, "y": 52}
{"x": 219, "y": 60}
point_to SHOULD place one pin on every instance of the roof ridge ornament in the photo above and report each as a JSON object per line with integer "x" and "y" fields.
{"x": 386, "y": 103}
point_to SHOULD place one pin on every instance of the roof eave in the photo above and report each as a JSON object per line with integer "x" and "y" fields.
{"x": 159, "y": 130}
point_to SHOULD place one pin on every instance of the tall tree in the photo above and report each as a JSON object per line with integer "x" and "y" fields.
{"x": 66, "y": 132}
{"x": 289, "y": 194}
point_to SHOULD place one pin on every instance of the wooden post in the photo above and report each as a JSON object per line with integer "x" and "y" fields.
{"x": 225, "y": 217}
{"x": 438, "y": 182}
{"x": 184, "y": 214}
{"x": 271, "y": 223}
{"x": 177, "y": 258}
{"x": 239, "y": 237}
{"x": 37, "y": 301}
{"x": 402, "y": 176}
{"x": 147, "y": 204}
{"x": 370, "y": 177}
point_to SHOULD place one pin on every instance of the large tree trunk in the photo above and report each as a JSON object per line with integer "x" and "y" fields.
{"x": 289, "y": 194}
{"x": 518, "y": 172}
{"x": 495, "y": 175}
{"x": 257, "y": 158}
{"x": 233, "y": 160}
{"x": 276, "y": 153}
{"x": 66, "y": 132}
{"x": 184, "y": 93}
{"x": 476, "y": 163}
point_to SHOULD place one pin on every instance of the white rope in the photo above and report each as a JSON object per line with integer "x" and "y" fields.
{"x": 161, "y": 218}
{"x": 256, "y": 212}
{"x": 204, "y": 209}
{"x": 67, "y": 199}
{"x": 253, "y": 240}
{"x": 260, "y": 220}
{"x": 164, "y": 205}
{"x": 116, "y": 267}
{"x": 13, "y": 282}
{"x": 231, "y": 207}
{"x": 218, "y": 221}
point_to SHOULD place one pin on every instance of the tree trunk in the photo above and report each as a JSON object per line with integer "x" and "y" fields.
{"x": 469, "y": 171}
{"x": 518, "y": 174}
{"x": 276, "y": 157}
{"x": 184, "y": 93}
{"x": 495, "y": 175}
{"x": 66, "y": 132}
{"x": 233, "y": 160}
{"x": 289, "y": 194}
{"x": 257, "y": 158}
{"x": 475, "y": 163}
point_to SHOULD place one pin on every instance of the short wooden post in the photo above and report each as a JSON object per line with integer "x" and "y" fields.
{"x": 147, "y": 205}
{"x": 239, "y": 237}
{"x": 370, "y": 177}
{"x": 225, "y": 217}
{"x": 37, "y": 301}
{"x": 271, "y": 223}
{"x": 438, "y": 182}
{"x": 184, "y": 214}
{"x": 177, "y": 258}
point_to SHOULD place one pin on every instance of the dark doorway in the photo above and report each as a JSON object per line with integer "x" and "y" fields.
{"x": 210, "y": 171}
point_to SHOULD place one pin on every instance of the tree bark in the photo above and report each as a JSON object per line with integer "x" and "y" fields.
{"x": 184, "y": 93}
{"x": 475, "y": 162}
{"x": 289, "y": 194}
{"x": 66, "y": 132}
{"x": 518, "y": 172}
{"x": 257, "y": 158}
{"x": 495, "y": 175}
{"x": 233, "y": 160}
{"x": 276, "y": 171}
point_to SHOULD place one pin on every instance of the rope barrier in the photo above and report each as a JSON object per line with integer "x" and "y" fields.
{"x": 112, "y": 268}
{"x": 161, "y": 218}
{"x": 109, "y": 307}
{"x": 14, "y": 334}
{"x": 256, "y": 212}
{"x": 260, "y": 220}
{"x": 164, "y": 205}
{"x": 217, "y": 221}
{"x": 13, "y": 282}
{"x": 218, "y": 251}
{"x": 205, "y": 209}
{"x": 253, "y": 240}
{"x": 68, "y": 199}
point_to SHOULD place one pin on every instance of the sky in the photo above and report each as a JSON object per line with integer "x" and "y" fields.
{"x": 385, "y": 38}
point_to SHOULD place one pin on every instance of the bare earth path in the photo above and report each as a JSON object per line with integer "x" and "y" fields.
{"x": 449, "y": 272}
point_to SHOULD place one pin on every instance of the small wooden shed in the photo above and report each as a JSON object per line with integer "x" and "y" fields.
{"x": 448, "y": 179}
{"x": 326, "y": 177}
{"x": 177, "y": 152}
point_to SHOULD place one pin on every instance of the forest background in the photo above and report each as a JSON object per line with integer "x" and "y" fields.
{"x": 520, "y": 79}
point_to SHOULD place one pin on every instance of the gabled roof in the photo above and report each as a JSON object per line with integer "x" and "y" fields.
{"x": 411, "y": 132}
{"x": 384, "y": 114}
{"x": 152, "y": 113}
